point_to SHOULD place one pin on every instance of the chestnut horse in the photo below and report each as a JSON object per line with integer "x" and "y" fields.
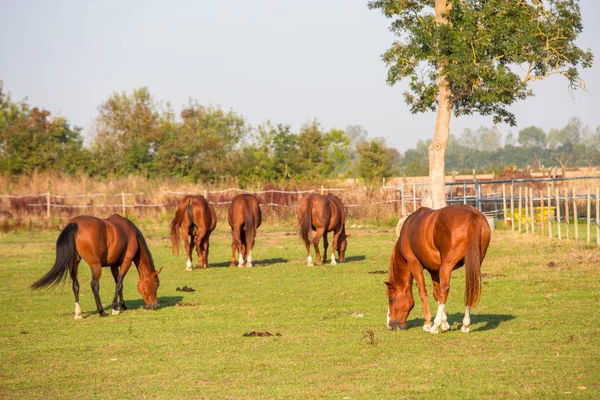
{"x": 196, "y": 220}
{"x": 113, "y": 242}
{"x": 323, "y": 214}
{"x": 244, "y": 217}
{"x": 439, "y": 241}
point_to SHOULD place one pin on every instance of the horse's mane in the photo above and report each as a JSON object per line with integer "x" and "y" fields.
{"x": 142, "y": 242}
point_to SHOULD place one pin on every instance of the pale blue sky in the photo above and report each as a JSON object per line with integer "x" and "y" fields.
{"x": 287, "y": 61}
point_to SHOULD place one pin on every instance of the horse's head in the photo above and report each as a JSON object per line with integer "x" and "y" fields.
{"x": 400, "y": 303}
{"x": 342, "y": 244}
{"x": 148, "y": 286}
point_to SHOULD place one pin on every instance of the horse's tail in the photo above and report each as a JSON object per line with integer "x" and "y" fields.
{"x": 65, "y": 254}
{"x": 473, "y": 260}
{"x": 176, "y": 224}
{"x": 249, "y": 222}
{"x": 305, "y": 223}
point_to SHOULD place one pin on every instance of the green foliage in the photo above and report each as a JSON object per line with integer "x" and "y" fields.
{"x": 377, "y": 161}
{"x": 477, "y": 49}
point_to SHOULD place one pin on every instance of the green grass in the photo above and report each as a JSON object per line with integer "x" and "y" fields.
{"x": 534, "y": 334}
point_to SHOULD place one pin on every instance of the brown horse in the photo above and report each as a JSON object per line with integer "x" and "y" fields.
{"x": 439, "y": 241}
{"x": 113, "y": 242}
{"x": 323, "y": 214}
{"x": 244, "y": 217}
{"x": 196, "y": 220}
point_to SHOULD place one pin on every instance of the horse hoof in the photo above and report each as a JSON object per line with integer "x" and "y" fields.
{"x": 78, "y": 317}
{"x": 445, "y": 326}
{"x": 103, "y": 314}
{"x": 427, "y": 327}
{"x": 464, "y": 329}
{"x": 232, "y": 265}
{"x": 333, "y": 262}
{"x": 434, "y": 331}
{"x": 310, "y": 265}
{"x": 188, "y": 268}
{"x": 249, "y": 265}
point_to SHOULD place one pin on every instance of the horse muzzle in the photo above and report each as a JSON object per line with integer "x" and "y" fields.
{"x": 396, "y": 326}
{"x": 152, "y": 306}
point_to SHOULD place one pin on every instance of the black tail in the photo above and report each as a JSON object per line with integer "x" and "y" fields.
{"x": 65, "y": 254}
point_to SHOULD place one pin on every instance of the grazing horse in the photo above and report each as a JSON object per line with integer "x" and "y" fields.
{"x": 113, "y": 242}
{"x": 244, "y": 217}
{"x": 323, "y": 214}
{"x": 439, "y": 241}
{"x": 196, "y": 219}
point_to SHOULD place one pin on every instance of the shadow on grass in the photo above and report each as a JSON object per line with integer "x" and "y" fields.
{"x": 490, "y": 321}
{"x": 354, "y": 258}
{"x": 262, "y": 263}
{"x": 163, "y": 301}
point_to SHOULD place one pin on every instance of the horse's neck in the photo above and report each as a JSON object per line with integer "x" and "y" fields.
{"x": 145, "y": 264}
{"x": 400, "y": 274}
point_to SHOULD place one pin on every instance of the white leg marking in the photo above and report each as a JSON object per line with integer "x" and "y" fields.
{"x": 309, "y": 261}
{"x": 188, "y": 266}
{"x": 249, "y": 260}
{"x": 115, "y": 312}
{"x": 77, "y": 311}
{"x": 438, "y": 319}
{"x": 388, "y": 319}
{"x": 445, "y": 325}
{"x": 466, "y": 321}
{"x": 240, "y": 261}
{"x": 333, "y": 259}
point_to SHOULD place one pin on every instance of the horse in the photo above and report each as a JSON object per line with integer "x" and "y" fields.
{"x": 244, "y": 217}
{"x": 196, "y": 219}
{"x": 323, "y": 214}
{"x": 439, "y": 241}
{"x": 113, "y": 242}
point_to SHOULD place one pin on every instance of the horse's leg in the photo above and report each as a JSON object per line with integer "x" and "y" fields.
{"x": 73, "y": 272}
{"x": 189, "y": 248}
{"x": 95, "y": 284}
{"x": 316, "y": 240}
{"x": 466, "y": 322}
{"x": 325, "y": 246}
{"x": 309, "y": 260}
{"x": 118, "y": 303}
{"x": 205, "y": 246}
{"x": 243, "y": 248}
{"x": 336, "y": 236}
{"x": 199, "y": 243}
{"x": 417, "y": 271}
{"x": 234, "y": 245}
{"x": 442, "y": 279}
{"x": 249, "y": 247}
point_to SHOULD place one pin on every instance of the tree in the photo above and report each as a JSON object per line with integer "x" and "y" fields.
{"x": 532, "y": 136}
{"x": 376, "y": 160}
{"x": 460, "y": 56}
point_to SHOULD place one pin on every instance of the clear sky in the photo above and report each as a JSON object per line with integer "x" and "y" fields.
{"x": 287, "y": 61}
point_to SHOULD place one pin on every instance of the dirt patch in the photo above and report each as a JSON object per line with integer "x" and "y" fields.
{"x": 182, "y": 304}
{"x": 380, "y": 271}
{"x": 255, "y": 333}
{"x": 488, "y": 275}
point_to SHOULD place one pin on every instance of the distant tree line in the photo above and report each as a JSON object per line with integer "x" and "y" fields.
{"x": 134, "y": 135}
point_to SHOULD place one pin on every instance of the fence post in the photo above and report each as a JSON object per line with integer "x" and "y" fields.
{"x": 504, "y": 204}
{"x": 549, "y": 210}
{"x": 48, "y": 204}
{"x": 597, "y": 216}
{"x": 558, "y": 213}
{"x": 464, "y": 192}
{"x": 588, "y": 235}
{"x": 531, "y": 210}
{"x": 568, "y": 224}
{"x": 526, "y": 198}
{"x": 575, "y": 222}
{"x": 123, "y": 203}
{"x": 542, "y": 210}
{"x": 512, "y": 208}
{"x": 402, "y": 199}
{"x": 321, "y": 189}
{"x": 414, "y": 197}
{"x": 520, "y": 202}
{"x": 205, "y": 193}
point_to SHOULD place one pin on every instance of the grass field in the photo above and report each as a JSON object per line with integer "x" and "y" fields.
{"x": 534, "y": 334}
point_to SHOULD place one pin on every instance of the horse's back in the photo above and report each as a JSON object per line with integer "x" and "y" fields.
{"x": 430, "y": 235}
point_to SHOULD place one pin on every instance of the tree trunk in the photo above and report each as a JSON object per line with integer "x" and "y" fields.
{"x": 436, "y": 196}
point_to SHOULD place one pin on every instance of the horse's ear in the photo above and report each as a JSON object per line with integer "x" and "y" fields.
{"x": 348, "y": 235}
{"x": 389, "y": 285}
{"x": 158, "y": 272}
